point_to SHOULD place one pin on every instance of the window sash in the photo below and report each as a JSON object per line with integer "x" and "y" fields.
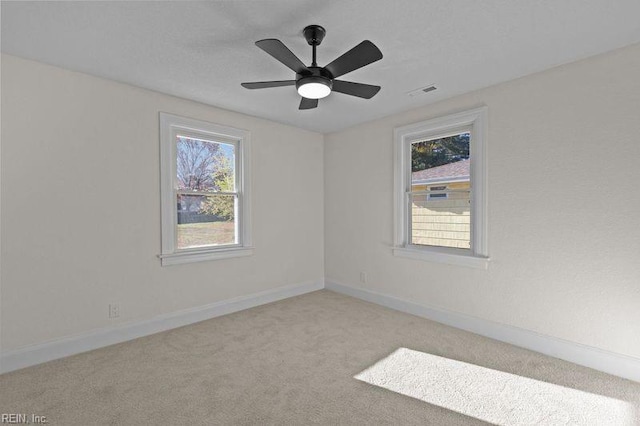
{"x": 440, "y": 191}
{"x": 237, "y": 228}
{"x": 433, "y": 206}
{"x": 235, "y": 194}
{"x": 204, "y": 137}
{"x": 204, "y": 193}
{"x": 209, "y": 138}
{"x": 427, "y": 137}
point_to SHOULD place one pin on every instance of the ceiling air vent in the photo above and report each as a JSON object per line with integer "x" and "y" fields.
{"x": 422, "y": 90}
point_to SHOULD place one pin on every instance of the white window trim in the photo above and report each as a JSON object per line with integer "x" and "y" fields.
{"x": 476, "y": 119}
{"x": 169, "y": 125}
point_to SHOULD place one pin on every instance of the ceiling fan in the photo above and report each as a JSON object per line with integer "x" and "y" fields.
{"x": 314, "y": 82}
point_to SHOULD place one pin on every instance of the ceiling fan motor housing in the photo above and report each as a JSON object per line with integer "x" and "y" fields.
{"x": 316, "y": 75}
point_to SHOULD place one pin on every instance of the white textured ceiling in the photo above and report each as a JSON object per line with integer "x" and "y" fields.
{"x": 204, "y": 50}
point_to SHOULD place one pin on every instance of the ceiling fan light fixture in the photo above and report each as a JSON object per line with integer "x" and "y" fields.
{"x": 314, "y": 87}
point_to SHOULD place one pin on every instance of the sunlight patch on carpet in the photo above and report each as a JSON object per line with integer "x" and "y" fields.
{"x": 491, "y": 395}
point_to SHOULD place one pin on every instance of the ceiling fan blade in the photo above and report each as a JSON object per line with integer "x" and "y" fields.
{"x": 267, "y": 84}
{"x": 306, "y": 103}
{"x": 360, "y": 90}
{"x": 361, "y": 55}
{"x": 278, "y": 50}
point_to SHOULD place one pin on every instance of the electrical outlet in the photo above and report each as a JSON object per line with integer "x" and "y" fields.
{"x": 114, "y": 310}
{"x": 363, "y": 277}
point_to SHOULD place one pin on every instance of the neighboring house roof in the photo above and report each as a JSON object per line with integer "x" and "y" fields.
{"x": 452, "y": 172}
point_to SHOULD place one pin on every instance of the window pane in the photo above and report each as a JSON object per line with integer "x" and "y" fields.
{"x": 205, "y": 165}
{"x": 441, "y": 192}
{"x": 206, "y": 220}
{"x": 429, "y": 154}
{"x": 444, "y": 222}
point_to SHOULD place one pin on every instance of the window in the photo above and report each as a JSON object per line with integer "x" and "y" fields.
{"x": 435, "y": 192}
{"x": 204, "y": 191}
{"x": 440, "y": 190}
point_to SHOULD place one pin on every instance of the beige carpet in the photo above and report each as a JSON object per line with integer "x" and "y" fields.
{"x": 321, "y": 358}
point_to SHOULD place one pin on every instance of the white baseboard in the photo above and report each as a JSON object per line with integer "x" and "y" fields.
{"x": 60, "y": 348}
{"x": 588, "y": 356}
{"x": 598, "y": 359}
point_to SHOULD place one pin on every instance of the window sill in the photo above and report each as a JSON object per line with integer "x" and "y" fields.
{"x": 451, "y": 259}
{"x": 204, "y": 255}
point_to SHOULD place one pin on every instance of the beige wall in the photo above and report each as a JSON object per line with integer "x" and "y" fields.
{"x": 564, "y": 235}
{"x": 81, "y": 206}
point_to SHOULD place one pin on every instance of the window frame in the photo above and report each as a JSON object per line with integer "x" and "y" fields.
{"x": 475, "y": 121}
{"x": 170, "y": 126}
